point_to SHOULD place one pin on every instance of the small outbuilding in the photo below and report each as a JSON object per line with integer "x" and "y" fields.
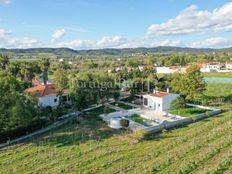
{"x": 159, "y": 101}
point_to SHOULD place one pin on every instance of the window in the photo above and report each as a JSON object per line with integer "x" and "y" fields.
{"x": 55, "y": 100}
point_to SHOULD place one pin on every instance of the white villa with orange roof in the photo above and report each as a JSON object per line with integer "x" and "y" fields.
{"x": 48, "y": 96}
{"x": 159, "y": 101}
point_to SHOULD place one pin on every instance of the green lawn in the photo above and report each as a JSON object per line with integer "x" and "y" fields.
{"x": 217, "y": 74}
{"x": 188, "y": 111}
{"x": 89, "y": 146}
{"x": 122, "y": 105}
{"x": 137, "y": 118}
{"x": 100, "y": 110}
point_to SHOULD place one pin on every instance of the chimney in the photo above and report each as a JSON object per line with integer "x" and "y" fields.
{"x": 167, "y": 90}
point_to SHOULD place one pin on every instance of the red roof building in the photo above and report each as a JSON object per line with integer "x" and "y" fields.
{"x": 159, "y": 94}
{"x": 47, "y": 95}
{"x": 42, "y": 90}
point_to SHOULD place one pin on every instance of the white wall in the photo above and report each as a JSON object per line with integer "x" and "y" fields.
{"x": 162, "y": 70}
{"x": 205, "y": 70}
{"x": 152, "y": 101}
{"x": 49, "y": 101}
{"x": 164, "y": 102}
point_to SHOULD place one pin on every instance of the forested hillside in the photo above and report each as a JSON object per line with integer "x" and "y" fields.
{"x": 67, "y": 52}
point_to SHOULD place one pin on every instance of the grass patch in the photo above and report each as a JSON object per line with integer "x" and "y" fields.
{"x": 100, "y": 110}
{"x": 143, "y": 121}
{"x": 188, "y": 111}
{"x": 137, "y": 118}
{"x": 122, "y": 105}
{"x": 219, "y": 74}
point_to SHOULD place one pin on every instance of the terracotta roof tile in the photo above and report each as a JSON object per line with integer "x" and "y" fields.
{"x": 42, "y": 90}
{"x": 159, "y": 94}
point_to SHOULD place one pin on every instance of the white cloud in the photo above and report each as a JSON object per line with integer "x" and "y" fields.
{"x": 193, "y": 20}
{"x": 5, "y": 1}
{"x": 214, "y": 42}
{"x": 166, "y": 42}
{"x": 132, "y": 44}
{"x": 58, "y": 34}
{"x": 8, "y": 41}
{"x": 104, "y": 42}
{"x": 76, "y": 44}
{"x": 108, "y": 41}
{"x": 21, "y": 43}
{"x": 4, "y": 33}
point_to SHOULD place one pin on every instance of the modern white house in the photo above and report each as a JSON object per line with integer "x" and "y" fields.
{"x": 159, "y": 101}
{"x": 211, "y": 67}
{"x": 48, "y": 96}
{"x": 171, "y": 70}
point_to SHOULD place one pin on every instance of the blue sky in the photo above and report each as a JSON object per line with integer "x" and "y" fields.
{"x": 86, "y": 24}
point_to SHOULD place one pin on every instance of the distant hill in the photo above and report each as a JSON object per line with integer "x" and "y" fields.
{"x": 67, "y": 52}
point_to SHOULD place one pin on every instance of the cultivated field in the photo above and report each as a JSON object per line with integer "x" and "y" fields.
{"x": 217, "y": 74}
{"x": 88, "y": 146}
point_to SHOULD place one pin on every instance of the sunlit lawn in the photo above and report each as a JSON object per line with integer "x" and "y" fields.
{"x": 188, "y": 111}
{"x": 218, "y": 74}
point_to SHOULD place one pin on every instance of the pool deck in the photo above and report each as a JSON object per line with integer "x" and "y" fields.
{"x": 158, "y": 116}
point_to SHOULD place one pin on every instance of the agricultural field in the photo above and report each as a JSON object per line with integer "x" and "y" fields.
{"x": 89, "y": 146}
{"x": 219, "y": 75}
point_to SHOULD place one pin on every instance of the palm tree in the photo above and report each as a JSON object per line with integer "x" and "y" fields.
{"x": 44, "y": 66}
{"x": 162, "y": 83}
{"x": 26, "y": 71}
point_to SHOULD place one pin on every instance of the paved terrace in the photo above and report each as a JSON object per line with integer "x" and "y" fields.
{"x": 158, "y": 116}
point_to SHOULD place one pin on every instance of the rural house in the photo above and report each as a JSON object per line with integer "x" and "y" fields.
{"x": 159, "y": 101}
{"x": 47, "y": 95}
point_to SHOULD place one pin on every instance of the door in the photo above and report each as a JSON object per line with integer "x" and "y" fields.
{"x": 155, "y": 106}
{"x": 158, "y": 108}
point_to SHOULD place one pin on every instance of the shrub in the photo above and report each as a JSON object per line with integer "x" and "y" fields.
{"x": 208, "y": 113}
{"x": 139, "y": 134}
{"x": 106, "y": 110}
{"x": 20, "y": 131}
{"x": 124, "y": 123}
{"x": 178, "y": 103}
